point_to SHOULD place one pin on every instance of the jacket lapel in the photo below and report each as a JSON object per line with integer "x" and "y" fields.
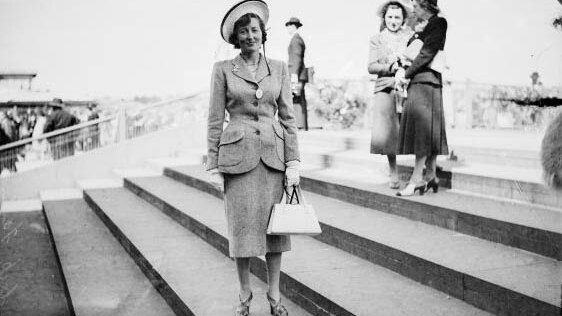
{"x": 263, "y": 69}
{"x": 240, "y": 70}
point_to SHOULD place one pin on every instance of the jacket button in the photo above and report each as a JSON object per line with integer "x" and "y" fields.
{"x": 257, "y": 132}
{"x": 255, "y": 103}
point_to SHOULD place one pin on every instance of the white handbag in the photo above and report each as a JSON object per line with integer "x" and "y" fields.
{"x": 439, "y": 62}
{"x": 293, "y": 219}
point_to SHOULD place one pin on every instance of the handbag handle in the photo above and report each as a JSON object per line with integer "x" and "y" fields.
{"x": 296, "y": 193}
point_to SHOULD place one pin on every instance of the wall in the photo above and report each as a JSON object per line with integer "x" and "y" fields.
{"x": 99, "y": 163}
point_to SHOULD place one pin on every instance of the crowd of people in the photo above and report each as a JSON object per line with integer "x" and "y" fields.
{"x": 17, "y": 125}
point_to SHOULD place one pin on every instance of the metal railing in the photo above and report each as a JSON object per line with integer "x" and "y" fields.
{"x": 127, "y": 124}
{"x": 167, "y": 114}
{"x": 467, "y": 104}
{"x": 37, "y": 151}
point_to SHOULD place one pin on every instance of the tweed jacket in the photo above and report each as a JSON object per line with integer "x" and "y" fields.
{"x": 296, "y": 57}
{"x": 433, "y": 37}
{"x": 259, "y": 128}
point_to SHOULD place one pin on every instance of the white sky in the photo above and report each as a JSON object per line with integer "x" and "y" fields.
{"x": 147, "y": 47}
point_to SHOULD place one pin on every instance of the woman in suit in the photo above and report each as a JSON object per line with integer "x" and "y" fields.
{"x": 422, "y": 127}
{"x": 385, "y": 49}
{"x": 256, "y": 155}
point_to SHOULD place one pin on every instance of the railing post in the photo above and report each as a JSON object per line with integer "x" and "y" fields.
{"x": 121, "y": 125}
{"x": 469, "y": 99}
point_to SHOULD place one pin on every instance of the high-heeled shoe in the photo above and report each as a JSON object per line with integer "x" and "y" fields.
{"x": 411, "y": 189}
{"x": 276, "y": 308}
{"x": 432, "y": 184}
{"x": 243, "y": 309}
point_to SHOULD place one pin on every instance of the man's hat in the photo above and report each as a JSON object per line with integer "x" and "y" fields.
{"x": 258, "y": 7}
{"x": 56, "y": 103}
{"x": 294, "y": 21}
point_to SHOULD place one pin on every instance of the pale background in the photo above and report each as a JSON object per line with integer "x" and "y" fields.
{"x": 167, "y": 47}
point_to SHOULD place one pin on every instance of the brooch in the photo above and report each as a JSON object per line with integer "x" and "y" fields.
{"x": 259, "y": 93}
{"x": 236, "y": 68}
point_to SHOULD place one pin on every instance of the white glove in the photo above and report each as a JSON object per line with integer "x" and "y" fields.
{"x": 292, "y": 176}
{"x": 217, "y": 179}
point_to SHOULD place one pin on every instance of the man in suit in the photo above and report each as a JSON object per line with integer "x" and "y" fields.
{"x": 61, "y": 145}
{"x": 298, "y": 72}
{"x": 7, "y": 157}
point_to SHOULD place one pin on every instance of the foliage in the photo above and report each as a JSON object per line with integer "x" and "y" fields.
{"x": 341, "y": 104}
{"x": 527, "y": 107}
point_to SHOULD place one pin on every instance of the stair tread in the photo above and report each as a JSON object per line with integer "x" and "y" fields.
{"x": 529, "y": 215}
{"x": 184, "y": 261}
{"x": 353, "y": 283}
{"x": 30, "y": 279}
{"x": 536, "y": 216}
{"x": 518, "y": 184}
{"x": 102, "y": 279}
{"x": 507, "y": 172}
{"x": 521, "y": 271}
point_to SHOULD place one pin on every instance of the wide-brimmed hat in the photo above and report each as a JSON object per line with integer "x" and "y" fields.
{"x": 294, "y": 21}
{"x": 407, "y": 5}
{"x": 56, "y": 103}
{"x": 258, "y": 7}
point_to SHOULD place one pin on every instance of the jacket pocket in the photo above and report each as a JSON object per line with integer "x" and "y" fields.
{"x": 279, "y": 141}
{"x": 231, "y": 147}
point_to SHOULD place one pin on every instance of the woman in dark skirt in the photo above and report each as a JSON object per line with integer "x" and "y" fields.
{"x": 422, "y": 127}
{"x": 256, "y": 154}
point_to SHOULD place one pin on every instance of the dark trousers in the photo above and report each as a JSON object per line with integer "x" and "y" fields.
{"x": 301, "y": 111}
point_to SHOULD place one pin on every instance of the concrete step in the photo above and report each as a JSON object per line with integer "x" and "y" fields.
{"x": 515, "y": 183}
{"x": 533, "y": 228}
{"x": 193, "y": 277}
{"x": 101, "y": 277}
{"x": 488, "y": 147}
{"x": 321, "y": 278}
{"x": 529, "y": 227}
{"x": 30, "y": 278}
{"x": 465, "y": 267}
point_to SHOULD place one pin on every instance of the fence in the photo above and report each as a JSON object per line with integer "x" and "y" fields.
{"x": 128, "y": 123}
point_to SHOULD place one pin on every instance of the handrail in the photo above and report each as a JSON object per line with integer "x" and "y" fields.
{"x": 57, "y": 132}
{"x": 159, "y": 104}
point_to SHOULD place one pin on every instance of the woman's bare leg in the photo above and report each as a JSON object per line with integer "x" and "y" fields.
{"x": 393, "y": 168}
{"x": 417, "y": 174}
{"x": 243, "y": 268}
{"x": 431, "y": 167}
{"x": 273, "y": 262}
